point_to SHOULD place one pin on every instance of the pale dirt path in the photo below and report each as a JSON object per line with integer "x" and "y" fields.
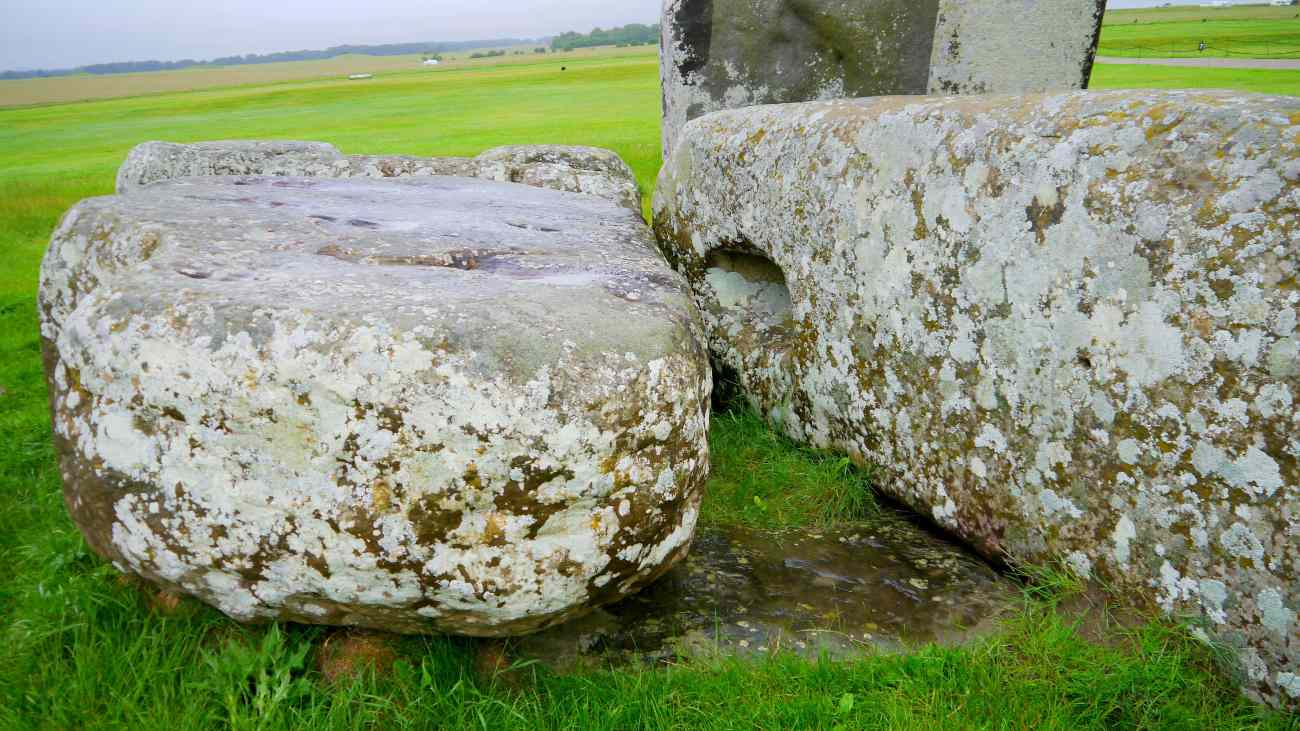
{"x": 1217, "y": 63}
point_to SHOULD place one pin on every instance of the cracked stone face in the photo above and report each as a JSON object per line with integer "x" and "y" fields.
{"x": 387, "y": 403}
{"x": 724, "y": 54}
{"x": 1066, "y": 324}
{"x": 588, "y": 170}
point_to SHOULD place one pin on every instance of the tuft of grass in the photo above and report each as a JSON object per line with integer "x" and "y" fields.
{"x": 251, "y": 684}
{"x": 764, "y": 480}
{"x": 1047, "y": 583}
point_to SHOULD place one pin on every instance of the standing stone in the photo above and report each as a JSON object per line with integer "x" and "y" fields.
{"x": 589, "y": 170}
{"x": 397, "y": 404}
{"x": 723, "y": 54}
{"x": 1066, "y": 325}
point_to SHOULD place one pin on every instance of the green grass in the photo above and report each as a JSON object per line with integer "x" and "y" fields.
{"x": 1250, "y": 31}
{"x": 108, "y": 662}
{"x": 1130, "y": 76}
{"x": 83, "y": 650}
{"x": 763, "y": 480}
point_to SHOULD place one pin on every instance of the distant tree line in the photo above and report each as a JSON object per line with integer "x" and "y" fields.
{"x": 392, "y": 49}
{"x": 629, "y": 35}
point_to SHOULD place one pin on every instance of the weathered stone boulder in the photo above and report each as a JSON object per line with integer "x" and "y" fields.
{"x": 588, "y": 170}
{"x": 723, "y": 54}
{"x": 1065, "y": 324}
{"x": 389, "y": 403}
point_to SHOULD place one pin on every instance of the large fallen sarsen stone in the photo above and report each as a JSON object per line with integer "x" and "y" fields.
{"x": 389, "y": 403}
{"x": 724, "y": 54}
{"x": 589, "y": 170}
{"x": 1066, "y": 324}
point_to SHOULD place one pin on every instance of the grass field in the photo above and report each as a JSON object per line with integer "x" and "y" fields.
{"x": 1242, "y": 31}
{"x": 1131, "y": 76}
{"x": 85, "y": 650}
{"x": 87, "y": 87}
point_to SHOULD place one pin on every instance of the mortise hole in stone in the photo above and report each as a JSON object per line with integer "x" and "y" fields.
{"x": 749, "y": 288}
{"x": 751, "y": 317}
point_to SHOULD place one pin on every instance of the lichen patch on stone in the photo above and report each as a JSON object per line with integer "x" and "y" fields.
{"x": 376, "y": 402}
{"x": 1064, "y": 323}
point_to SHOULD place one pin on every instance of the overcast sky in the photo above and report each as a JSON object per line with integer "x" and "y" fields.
{"x": 66, "y": 33}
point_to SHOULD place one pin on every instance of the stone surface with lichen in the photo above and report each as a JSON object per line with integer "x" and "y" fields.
{"x": 386, "y": 403}
{"x": 1065, "y": 324}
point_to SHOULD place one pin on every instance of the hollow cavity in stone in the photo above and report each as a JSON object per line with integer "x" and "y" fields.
{"x": 749, "y": 287}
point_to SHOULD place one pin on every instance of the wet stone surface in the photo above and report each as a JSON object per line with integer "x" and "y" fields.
{"x": 867, "y": 587}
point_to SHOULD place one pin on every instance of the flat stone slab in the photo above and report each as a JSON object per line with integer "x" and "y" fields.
{"x": 1065, "y": 323}
{"x": 397, "y": 404}
{"x": 885, "y": 585}
{"x": 587, "y": 170}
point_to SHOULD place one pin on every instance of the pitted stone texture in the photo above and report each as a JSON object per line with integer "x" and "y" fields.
{"x": 388, "y": 403}
{"x": 1066, "y": 324}
{"x": 588, "y": 170}
{"x": 724, "y": 54}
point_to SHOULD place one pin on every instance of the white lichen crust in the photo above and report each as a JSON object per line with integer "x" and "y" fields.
{"x": 389, "y": 403}
{"x": 1065, "y": 324}
{"x": 588, "y": 170}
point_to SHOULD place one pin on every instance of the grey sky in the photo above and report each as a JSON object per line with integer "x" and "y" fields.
{"x": 65, "y": 33}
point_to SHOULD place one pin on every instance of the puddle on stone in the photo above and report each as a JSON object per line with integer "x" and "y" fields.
{"x": 846, "y": 592}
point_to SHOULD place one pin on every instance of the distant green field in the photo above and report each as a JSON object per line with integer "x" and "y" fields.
{"x": 82, "y": 649}
{"x": 87, "y": 87}
{"x": 1242, "y": 31}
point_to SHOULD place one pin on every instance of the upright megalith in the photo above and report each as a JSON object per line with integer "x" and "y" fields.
{"x": 723, "y": 54}
{"x": 1065, "y": 325}
{"x": 589, "y": 170}
{"x": 389, "y": 403}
